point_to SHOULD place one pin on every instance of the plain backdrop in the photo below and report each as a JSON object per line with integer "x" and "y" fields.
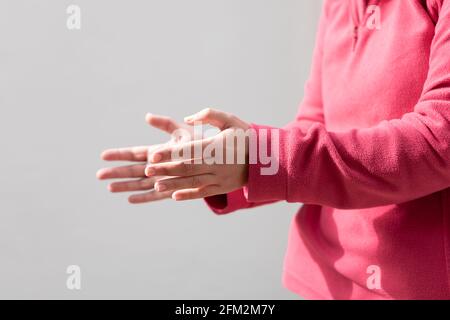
{"x": 67, "y": 95}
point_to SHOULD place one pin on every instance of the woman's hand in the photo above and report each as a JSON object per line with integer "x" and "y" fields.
{"x": 133, "y": 176}
{"x": 211, "y": 174}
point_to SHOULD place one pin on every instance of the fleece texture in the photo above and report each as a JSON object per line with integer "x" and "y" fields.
{"x": 368, "y": 155}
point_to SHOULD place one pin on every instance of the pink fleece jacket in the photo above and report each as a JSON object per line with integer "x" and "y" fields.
{"x": 369, "y": 156}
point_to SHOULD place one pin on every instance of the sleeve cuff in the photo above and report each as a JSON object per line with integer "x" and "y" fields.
{"x": 227, "y": 203}
{"x": 267, "y": 179}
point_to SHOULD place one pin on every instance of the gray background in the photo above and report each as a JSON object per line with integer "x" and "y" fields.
{"x": 67, "y": 95}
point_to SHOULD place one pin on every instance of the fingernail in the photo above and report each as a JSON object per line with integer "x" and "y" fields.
{"x": 160, "y": 187}
{"x": 149, "y": 171}
{"x": 157, "y": 157}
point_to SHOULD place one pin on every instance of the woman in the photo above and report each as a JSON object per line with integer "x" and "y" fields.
{"x": 368, "y": 154}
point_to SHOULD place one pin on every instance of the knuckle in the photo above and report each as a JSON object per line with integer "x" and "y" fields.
{"x": 195, "y": 181}
{"x": 161, "y": 171}
{"x": 171, "y": 184}
{"x": 179, "y": 168}
{"x": 202, "y": 193}
{"x": 187, "y": 168}
{"x": 208, "y": 112}
{"x": 233, "y": 118}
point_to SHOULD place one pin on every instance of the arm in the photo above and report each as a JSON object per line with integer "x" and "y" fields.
{"x": 393, "y": 162}
{"x": 310, "y": 112}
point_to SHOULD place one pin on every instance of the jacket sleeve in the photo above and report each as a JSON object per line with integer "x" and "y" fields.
{"x": 393, "y": 162}
{"x": 310, "y": 112}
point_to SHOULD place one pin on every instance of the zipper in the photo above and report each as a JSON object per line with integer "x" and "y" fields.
{"x": 355, "y": 37}
{"x": 356, "y": 22}
{"x": 359, "y": 17}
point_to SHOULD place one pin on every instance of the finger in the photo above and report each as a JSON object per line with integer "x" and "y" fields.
{"x": 163, "y": 123}
{"x": 175, "y": 152}
{"x": 177, "y": 169}
{"x": 126, "y": 154}
{"x": 184, "y": 182}
{"x": 196, "y": 193}
{"x": 133, "y": 171}
{"x": 148, "y": 197}
{"x": 216, "y": 118}
{"x": 133, "y": 185}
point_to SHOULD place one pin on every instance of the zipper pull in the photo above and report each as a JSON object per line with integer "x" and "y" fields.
{"x": 355, "y": 36}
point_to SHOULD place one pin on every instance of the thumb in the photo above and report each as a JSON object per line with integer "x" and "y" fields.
{"x": 216, "y": 118}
